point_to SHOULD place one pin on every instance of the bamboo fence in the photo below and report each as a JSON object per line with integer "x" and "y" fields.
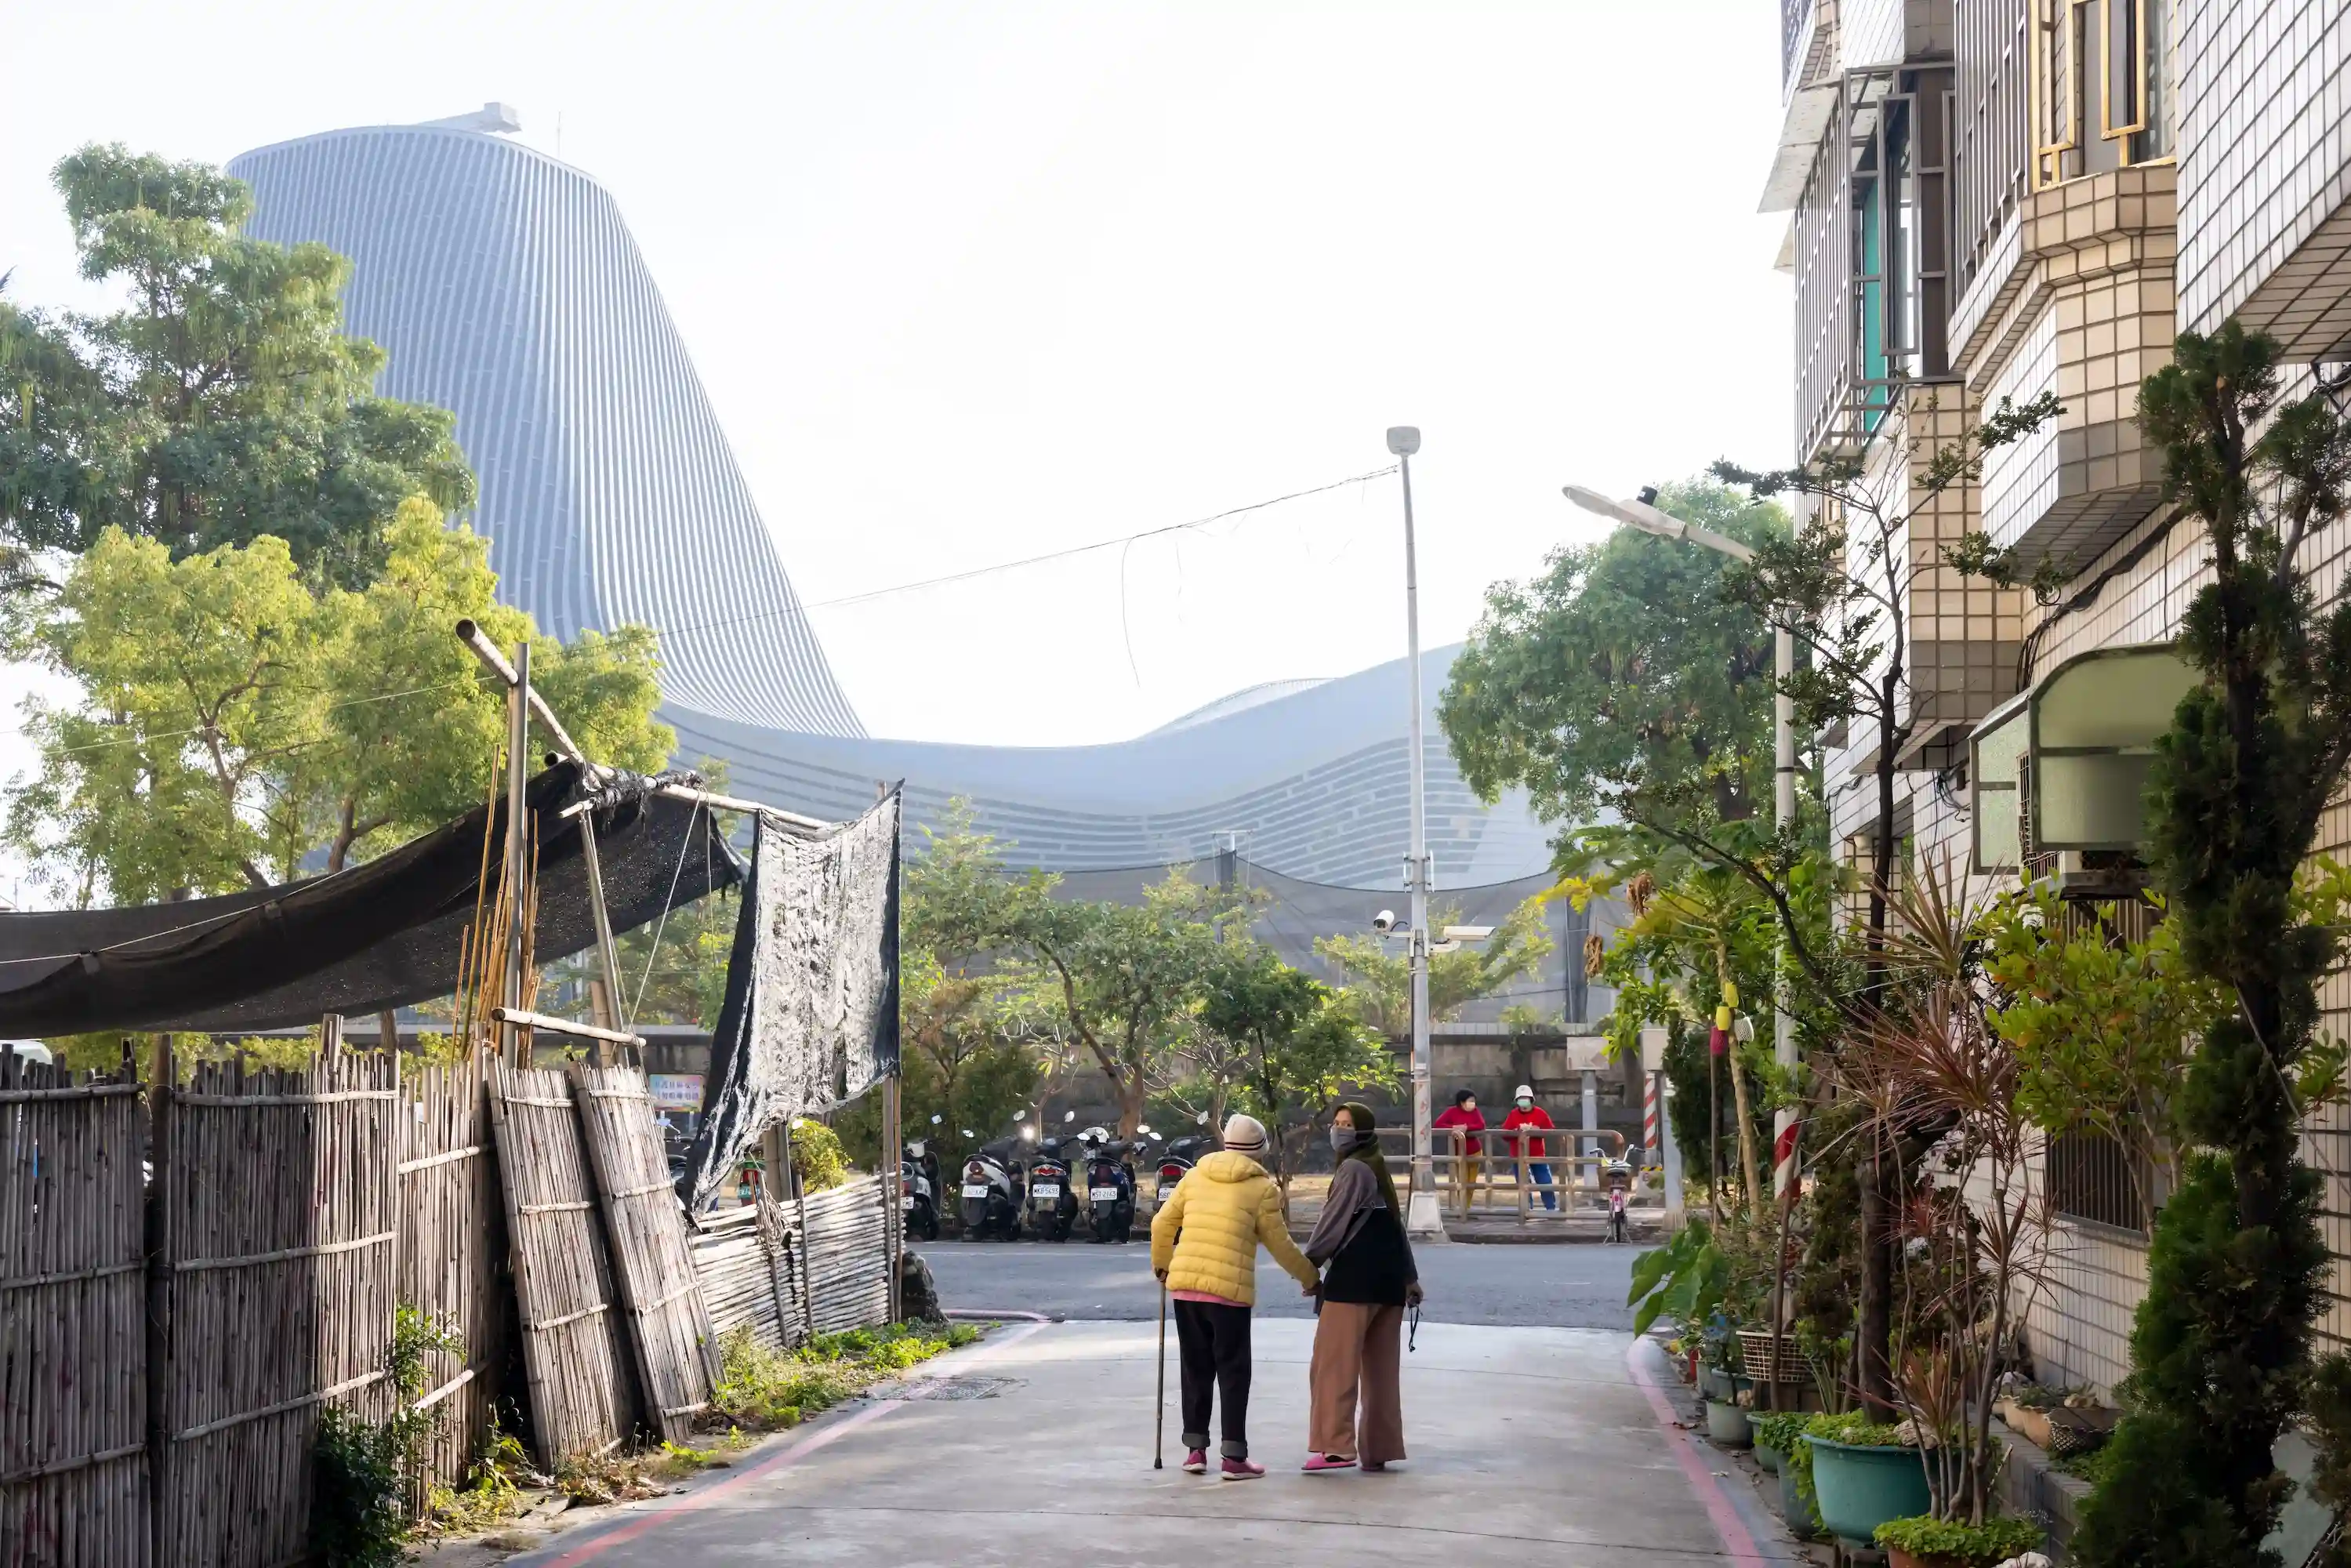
{"x": 576, "y": 1354}
{"x": 846, "y": 1241}
{"x": 276, "y": 1282}
{"x": 677, "y": 1354}
{"x": 73, "y": 1353}
{"x": 453, "y": 1253}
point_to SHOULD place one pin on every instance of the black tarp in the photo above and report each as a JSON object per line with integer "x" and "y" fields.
{"x": 810, "y": 1014}
{"x": 369, "y": 939}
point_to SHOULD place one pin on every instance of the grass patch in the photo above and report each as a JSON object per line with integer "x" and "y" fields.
{"x": 764, "y": 1390}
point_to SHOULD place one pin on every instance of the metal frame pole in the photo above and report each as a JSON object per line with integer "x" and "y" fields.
{"x": 607, "y": 998}
{"x": 518, "y": 856}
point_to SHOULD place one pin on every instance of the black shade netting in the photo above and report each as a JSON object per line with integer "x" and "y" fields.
{"x": 364, "y": 940}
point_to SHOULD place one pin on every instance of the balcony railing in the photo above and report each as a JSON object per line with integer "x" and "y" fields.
{"x": 1795, "y": 32}
{"x": 1873, "y": 256}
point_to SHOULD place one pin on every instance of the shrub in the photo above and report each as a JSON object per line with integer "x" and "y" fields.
{"x": 1854, "y": 1426}
{"x": 816, "y": 1157}
{"x": 764, "y": 1389}
{"x": 1995, "y": 1540}
{"x": 1781, "y": 1431}
{"x": 361, "y": 1470}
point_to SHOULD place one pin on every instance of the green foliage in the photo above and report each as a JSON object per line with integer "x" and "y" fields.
{"x": 221, "y": 404}
{"x": 1684, "y": 1278}
{"x": 1780, "y": 1431}
{"x": 230, "y": 723}
{"x": 1379, "y": 983}
{"x": 1853, "y": 1428}
{"x": 2221, "y": 1343}
{"x": 1621, "y": 680}
{"x": 766, "y": 1390}
{"x": 2101, "y": 1029}
{"x": 361, "y": 1470}
{"x": 959, "y": 1062}
{"x": 1300, "y": 1051}
{"x": 818, "y": 1161}
{"x": 1985, "y": 1545}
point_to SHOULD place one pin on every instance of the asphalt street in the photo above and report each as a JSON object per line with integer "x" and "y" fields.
{"x": 1553, "y": 1286}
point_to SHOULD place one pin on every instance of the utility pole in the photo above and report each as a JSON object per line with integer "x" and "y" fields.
{"x": 1425, "y": 1216}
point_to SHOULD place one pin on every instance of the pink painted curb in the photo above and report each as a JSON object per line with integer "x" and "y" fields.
{"x": 1737, "y": 1545}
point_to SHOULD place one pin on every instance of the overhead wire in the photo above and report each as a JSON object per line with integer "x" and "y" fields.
{"x": 1119, "y": 542}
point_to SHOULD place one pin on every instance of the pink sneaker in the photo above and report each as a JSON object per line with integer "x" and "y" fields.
{"x": 1196, "y": 1462}
{"x": 1317, "y": 1463}
{"x": 1243, "y": 1470}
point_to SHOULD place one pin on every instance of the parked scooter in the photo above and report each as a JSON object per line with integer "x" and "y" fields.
{"x": 1110, "y": 1184}
{"x": 1053, "y": 1192}
{"x": 1176, "y": 1158}
{"x": 918, "y": 1180}
{"x": 994, "y": 1194}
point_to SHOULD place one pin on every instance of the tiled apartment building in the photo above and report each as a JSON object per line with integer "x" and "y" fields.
{"x": 1999, "y": 198}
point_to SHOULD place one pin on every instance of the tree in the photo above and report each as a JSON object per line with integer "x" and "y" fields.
{"x": 231, "y": 725}
{"x": 1378, "y": 989}
{"x": 221, "y": 404}
{"x": 2221, "y": 1345}
{"x": 956, "y": 1066}
{"x": 1130, "y": 976}
{"x": 1622, "y": 683}
{"x": 1300, "y": 1050}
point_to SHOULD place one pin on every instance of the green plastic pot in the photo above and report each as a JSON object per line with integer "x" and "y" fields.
{"x": 1726, "y": 1425}
{"x": 1802, "y": 1522}
{"x": 1768, "y": 1457}
{"x": 1861, "y": 1488}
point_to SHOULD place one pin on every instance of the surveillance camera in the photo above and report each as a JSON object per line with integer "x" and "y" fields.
{"x": 1383, "y": 922}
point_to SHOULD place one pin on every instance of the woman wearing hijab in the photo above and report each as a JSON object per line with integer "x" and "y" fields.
{"x": 1355, "y": 1385}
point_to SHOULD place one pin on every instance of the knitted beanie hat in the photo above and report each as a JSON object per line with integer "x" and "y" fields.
{"x": 1244, "y": 1135}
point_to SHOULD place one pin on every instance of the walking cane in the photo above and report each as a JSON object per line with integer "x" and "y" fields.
{"x": 1159, "y": 1409}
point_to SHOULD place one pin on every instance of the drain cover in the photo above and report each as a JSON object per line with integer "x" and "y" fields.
{"x": 950, "y": 1389}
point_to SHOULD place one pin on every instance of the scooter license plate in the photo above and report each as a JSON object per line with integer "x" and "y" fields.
{"x": 1106, "y": 1194}
{"x": 974, "y": 1189}
{"x": 1047, "y": 1192}
{"x": 906, "y": 1200}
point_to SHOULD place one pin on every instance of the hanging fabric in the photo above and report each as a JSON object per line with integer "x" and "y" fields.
{"x": 811, "y": 1016}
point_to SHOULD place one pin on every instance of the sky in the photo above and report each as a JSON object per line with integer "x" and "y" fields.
{"x": 968, "y": 283}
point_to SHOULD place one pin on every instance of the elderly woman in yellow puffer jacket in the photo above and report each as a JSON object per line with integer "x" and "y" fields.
{"x": 1204, "y": 1243}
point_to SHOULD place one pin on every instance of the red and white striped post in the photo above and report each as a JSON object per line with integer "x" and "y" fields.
{"x": 1653, "y": 1148}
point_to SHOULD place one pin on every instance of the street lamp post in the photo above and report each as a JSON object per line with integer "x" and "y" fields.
{"x": 1640, "y": 514}
{"x": 1425, "y": 1217}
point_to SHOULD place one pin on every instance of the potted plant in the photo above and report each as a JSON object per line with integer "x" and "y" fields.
{"x": 1726, "y": 1425}
{"x": 1925, "y": 1542}
{"x": 1862, "y": 1474}
{"x": 1776, "y": 1433}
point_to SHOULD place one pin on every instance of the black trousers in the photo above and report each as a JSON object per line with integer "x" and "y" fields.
{"x": 1215, "y": 1344}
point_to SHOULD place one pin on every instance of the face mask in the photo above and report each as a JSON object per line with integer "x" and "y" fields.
{"x": 1342, "y": 1139}
{"x": 1525, "y": 1103}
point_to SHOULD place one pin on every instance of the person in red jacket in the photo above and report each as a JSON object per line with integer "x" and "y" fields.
{"x": 1466, "y": 1115}
{"x": 1525, "y": 1112}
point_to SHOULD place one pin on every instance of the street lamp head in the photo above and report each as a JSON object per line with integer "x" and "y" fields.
{"x": 1638, "y": 514}
{"x": 1403, "y": 440}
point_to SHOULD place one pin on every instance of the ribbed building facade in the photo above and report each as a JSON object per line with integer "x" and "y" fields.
{"x": 504, "y": 286}
{"x": 506, "y": 289}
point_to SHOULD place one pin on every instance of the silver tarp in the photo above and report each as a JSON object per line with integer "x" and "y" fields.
{"x": 811, "y": 1016}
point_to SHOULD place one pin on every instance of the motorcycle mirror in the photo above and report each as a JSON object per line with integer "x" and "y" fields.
{"x": 969, "y": 1133}
{"x": 1143, "y": 1128}
{"x": 1202, "y": 1118}
{"x": 1156, "y": 1138}
{"x": 936, "y": 1120}
{"x": 1069, "y": 1115}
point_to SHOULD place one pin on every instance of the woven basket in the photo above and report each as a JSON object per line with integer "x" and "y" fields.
{"x": 1755, "y": 1354}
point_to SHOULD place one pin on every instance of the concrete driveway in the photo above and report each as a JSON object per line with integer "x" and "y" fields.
{"x": 1528, "y": 1445}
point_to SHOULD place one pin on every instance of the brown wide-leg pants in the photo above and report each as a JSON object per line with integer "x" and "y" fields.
{"x": 1358, "y": 1368}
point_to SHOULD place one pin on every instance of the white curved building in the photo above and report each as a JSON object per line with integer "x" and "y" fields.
{"x": 504, "y": 286}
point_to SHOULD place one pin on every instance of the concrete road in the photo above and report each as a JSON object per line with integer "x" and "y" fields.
{"x": 1527, "y": 1446}
{"x": 1546, "y": 1286}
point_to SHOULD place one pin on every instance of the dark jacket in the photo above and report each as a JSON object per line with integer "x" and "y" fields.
{"x": 1362, "y": 1241}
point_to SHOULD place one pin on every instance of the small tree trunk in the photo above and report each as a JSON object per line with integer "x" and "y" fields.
{"x": 1131, "y": 1095}
{"x": 1747, "y": 1168}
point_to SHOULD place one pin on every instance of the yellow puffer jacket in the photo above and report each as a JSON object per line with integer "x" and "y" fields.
{"x": 1204, "y": 1238}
